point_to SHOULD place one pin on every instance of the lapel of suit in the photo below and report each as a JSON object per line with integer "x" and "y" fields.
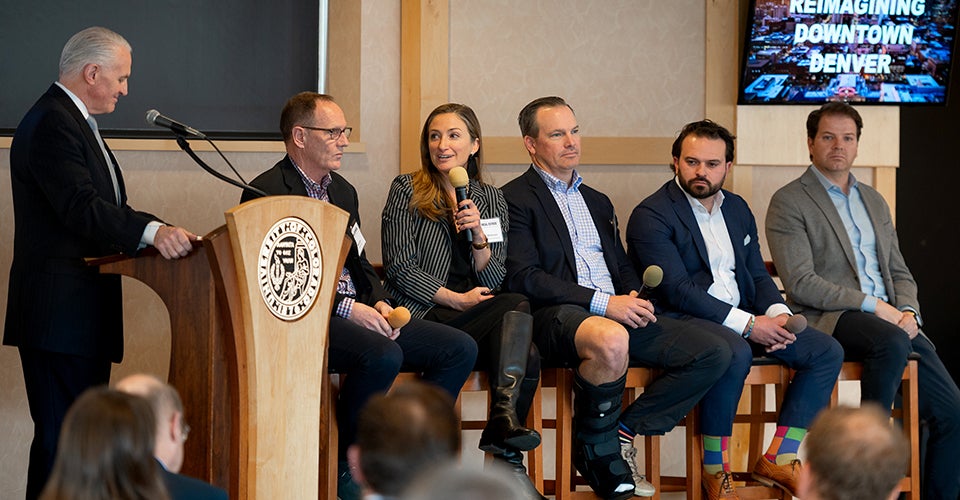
{"x": 57, "y": 93}
{"x": 554, "y": 216}
{"x": 291, "y": 178}
{"x": 820, "y": 197}
{"x": 681, "y": 206}
{"x": 875, "y": 209}
{"x": 734, "y": 219}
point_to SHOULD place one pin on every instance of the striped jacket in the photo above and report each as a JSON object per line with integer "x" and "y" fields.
{"x": 417, "y": 251}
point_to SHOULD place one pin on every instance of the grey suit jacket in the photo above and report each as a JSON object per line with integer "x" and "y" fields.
{"x": 815, "y": 259}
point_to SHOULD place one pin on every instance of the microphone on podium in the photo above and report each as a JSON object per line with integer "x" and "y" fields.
{"x": 398, "y": 317}
{"x": 460, "y": 179}
{"x": 155, "y": 118}
{"x": 652, "y": 276}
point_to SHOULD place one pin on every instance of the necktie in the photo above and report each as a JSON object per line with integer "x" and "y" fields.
{"x": 103, "y": 149}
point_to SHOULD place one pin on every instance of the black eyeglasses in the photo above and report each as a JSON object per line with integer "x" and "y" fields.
{"x": 332, "y": 133}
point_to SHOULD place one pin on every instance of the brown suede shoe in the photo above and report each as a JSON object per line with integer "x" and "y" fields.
{"x": 719, "y": 486}
{"x": 784, "y": 477}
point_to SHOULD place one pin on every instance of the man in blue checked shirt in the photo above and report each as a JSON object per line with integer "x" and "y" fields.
{"x": 565, "y": 253}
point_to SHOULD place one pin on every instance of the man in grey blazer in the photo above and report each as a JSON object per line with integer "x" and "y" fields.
{"x": 836, "y": 250}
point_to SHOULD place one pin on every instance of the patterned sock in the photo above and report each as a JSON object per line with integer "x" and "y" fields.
{"x": 716, "y": 454}
{"x": 786, "y": 442}
{"x": 626, "y": 435}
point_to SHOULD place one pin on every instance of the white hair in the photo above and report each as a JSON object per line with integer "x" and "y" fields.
{"x": 93, "y": 45}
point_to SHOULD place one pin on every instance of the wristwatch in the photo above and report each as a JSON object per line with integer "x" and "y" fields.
{"x": 480, "y": 246}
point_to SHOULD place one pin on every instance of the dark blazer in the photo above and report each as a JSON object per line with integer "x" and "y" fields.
{"x": 663, "y": 231}
{"x": 540, "y": 259}
{"x": 182, "y": 487}
{"x": 65, "y": 209}
{"x": 814, "y": 257}
{"x": 283, "y": 178}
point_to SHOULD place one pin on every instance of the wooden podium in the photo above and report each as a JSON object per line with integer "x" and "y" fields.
{"x": 248, "y": 364}
{"x": 278, "y": 277}
{"x": 198, "y": 351}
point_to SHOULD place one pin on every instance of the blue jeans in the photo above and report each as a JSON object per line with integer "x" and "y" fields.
{"x": 815, "y": 356}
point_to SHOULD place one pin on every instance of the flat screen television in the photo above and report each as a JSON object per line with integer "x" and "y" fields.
{"x": 858, "y": 51}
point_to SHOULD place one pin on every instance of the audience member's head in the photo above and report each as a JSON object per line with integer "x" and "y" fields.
{"x": 106, "y": 450}
{"x": 402, "y": 435}
{"x": 171, "y": 428}
{"x": 453, "y": 481}
{"x": 853, "y": 454}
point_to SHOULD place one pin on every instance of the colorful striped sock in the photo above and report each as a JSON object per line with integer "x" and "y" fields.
{"x": 786, "y": 442}
{"x": 716, "y": 454}
{"x": 626, "y": 435}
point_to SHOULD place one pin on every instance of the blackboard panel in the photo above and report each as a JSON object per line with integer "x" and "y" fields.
{"x": 224, "y": 67}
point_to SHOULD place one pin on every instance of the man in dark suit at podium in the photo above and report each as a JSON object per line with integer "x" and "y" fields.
{"x": 362, "y": 343}
{"x": 172, "y": 432}
{"x": 69, "y": 203}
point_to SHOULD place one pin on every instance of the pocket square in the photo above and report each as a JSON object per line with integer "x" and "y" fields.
{"x": 746, "y": 240}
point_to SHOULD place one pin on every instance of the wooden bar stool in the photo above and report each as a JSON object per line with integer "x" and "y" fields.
{"x": 567, "y": 480}
{"x": 908, "y": 414}
{"x": 754, "y": 414}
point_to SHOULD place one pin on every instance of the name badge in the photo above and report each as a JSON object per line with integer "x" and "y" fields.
{"x": 358, "y": 237}
{"x": 491, "y": 228}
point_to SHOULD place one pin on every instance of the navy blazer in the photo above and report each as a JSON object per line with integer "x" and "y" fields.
{"x": 65, "y": 209}
{"x": 182, "y": 487}
{"x": 540, "y": 259}
{"x": 663, "y": 230}
{"x": 283, "y": 179}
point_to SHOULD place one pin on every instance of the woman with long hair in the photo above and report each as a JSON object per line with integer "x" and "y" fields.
{"x": 106, "y": 450}
{"x": 445, "y": 258}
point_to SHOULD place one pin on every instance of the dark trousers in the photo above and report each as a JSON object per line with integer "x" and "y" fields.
{"x": 483, "y": 322}
{"x": 442, "y": 355}
{"x": 692, "y": 359}
{"x": 815, "y": 356}
{"x": 53, "y": 382}
{"x": 883, "y": 348}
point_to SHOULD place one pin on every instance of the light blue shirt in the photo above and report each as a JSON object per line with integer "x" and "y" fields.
{"x": 863, "y": 240}
{"x": 592, "y": 271}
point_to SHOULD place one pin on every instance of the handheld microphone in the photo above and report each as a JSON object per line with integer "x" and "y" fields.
{"x": 795, "y": 324}
{"x": 155, "y": 118}
{"x": 652, "y": 277}
{"x": 459, "y": 179}
{"x": 398, "y": 317}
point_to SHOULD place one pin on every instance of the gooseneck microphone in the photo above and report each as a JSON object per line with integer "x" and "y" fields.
{"x": 652, "y": 276}
{"x": 155, "y": 118}
{"x": 460, "y": 179}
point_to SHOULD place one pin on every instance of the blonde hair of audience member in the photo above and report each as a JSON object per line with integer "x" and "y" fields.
{"x": 106, "y": 450}
{"x": 171, "y": 429}
{"x": 453, "y": 481}
{"x": 853, "y": 454}
{"x": 428, "y": 199}
{"x": 402, "y": 435}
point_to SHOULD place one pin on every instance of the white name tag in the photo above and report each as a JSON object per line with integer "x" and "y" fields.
{"x": 358, "y": 237}
{"x": 491, "y": 228}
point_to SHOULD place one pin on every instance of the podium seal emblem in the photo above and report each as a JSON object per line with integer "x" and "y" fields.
{"x": 288, "y": 268}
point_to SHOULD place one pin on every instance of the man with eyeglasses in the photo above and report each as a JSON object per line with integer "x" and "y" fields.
{"x": 362, "y": 343}
{"x": 172, "y": 432}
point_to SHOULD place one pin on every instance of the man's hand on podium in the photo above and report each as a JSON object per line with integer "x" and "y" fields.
{"x": 174, "y": 242}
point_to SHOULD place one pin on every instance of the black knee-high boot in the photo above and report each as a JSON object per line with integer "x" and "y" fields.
{"x": 504, "y": 431}
{"x": 596, "y": 447}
